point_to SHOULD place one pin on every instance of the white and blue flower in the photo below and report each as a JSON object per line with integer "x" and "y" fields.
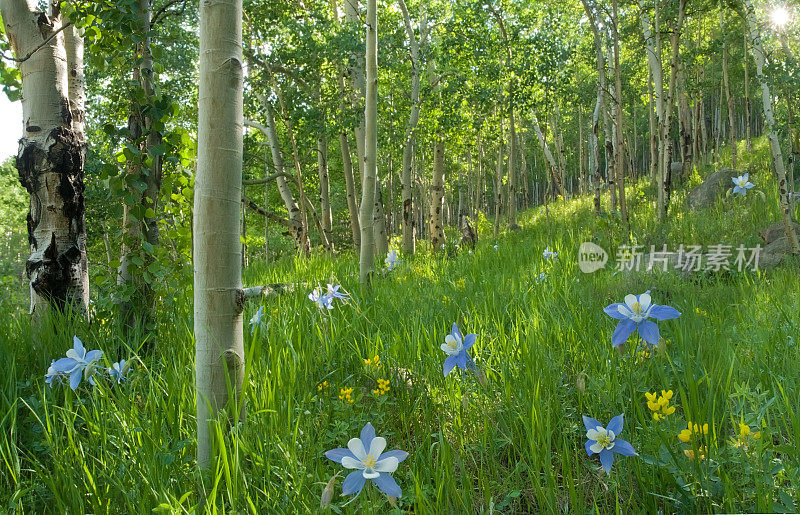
{"x": 603, "y": 441}
{"x": 456, "y": 346}
{"x": 633, "y": 315}
{"x": 742, "y": 184}
{"x": 366, "y": 457}
{"x": 78, "y": 364}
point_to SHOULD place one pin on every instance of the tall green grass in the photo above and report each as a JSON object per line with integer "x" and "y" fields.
{"x": 511, "y": 444}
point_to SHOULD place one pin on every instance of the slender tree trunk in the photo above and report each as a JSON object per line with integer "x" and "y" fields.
{"x": 726, "y": 85}
{"x": 296, "y": 231}
{"x": 558, "y": 142}
{"x": 512, "y": 174}
{"x": 623, "y": 207}
{"x": 50, "y": 158}
{"x": 594, "y": 145}
{"x": 143, "y": 225}
{"x": 350, "y": 188}
{"x": 548, "y": 156}
{"x": 611, "y": 138}
{"x": 769, "y": 121}
{"x": 366, "y": 213}
{"x": 218, "y": 296}
{"x": 411, "y": 126}
{"x": 437, "y": 197}
{"x": 498, "y": 183}
{"x": 347, "y": 163}
{"x": 324, "y": 183}
{"x": 379, "y": 222}
{"x": 653, "y": 137}
{"x": 748, "y": 115}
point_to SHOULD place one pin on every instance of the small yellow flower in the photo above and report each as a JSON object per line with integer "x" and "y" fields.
{"x": 690, "y": 453}
{"x": 322, "y": 386}
{"x": 659, "y": 405}
{"x": 346, "y": 394}
{"x": 685, "y": 436}
{"x": 383, "y": 387}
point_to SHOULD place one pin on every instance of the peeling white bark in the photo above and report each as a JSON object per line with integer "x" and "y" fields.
{"x": 51, "y": 156}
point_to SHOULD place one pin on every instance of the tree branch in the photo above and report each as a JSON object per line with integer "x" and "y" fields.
{"x": 162, "y": 13}
{"x": 39, "y": 47}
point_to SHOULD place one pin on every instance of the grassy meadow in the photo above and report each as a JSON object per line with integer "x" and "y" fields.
{"x": 510, "y": 440}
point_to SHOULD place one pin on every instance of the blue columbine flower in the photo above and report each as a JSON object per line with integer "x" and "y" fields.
{"x": 257, "y": 320}
{"x": 604, "y": 441}
{"x": 391, "y": 260}
{"x": 742, "y": 184}
{"x": 119, "y": 371}
{"x": 495, "y": 247}
{"x": 456, "y": 346}
{"x": 549, "y": 254}
{"x": 323, "y": 300}
{"x": 633, "y": 315}
{"x": 334, "y": 293}
{"x": 366, "y": 456}
{"x": 53, "y": 375}
{"x": 77, "y": 365}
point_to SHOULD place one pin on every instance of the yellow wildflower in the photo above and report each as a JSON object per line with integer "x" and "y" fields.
{"x": 383, "y": 387}
{"x": 322, "y": 386}
{"x": 659, "y": 404}
{"x": 346, "y": 394}
{"x": 690, "y": 453}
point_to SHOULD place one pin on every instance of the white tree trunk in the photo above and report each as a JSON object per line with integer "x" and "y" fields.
{"x": 366, "y": 213}
{"x": 437, "y": 197}
{"x": 409, "y": 235}
{"x": 51, "y": 157}
{"x": 295, "y": 215}
{"x": 218, "y": 296}
{"x": 548, "y": 155}
{"x": 769, "y": 123}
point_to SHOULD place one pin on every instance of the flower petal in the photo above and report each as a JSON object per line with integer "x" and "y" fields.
{"x": 75, "y": 378}
{"x": 388, "y": 485}
{"x": 592, "y": 434}
{"x": 377, "y": 446}
{"x": 664, "y": 313}
{"x": 353, "y": 483}
{"x": 351, "y": 463}
{"x": 615, "y": 426}
{"x": 630, "y": 300}
{"x": 449, "y": 364}
{"x": 469, "y": 341}
{"x": 591, "y": 423}
{"x": 622, "y": 332}
{"x": 356, "y": 446}
{"x": 607, "y": 460}
{"x": 338, "y": 454}
{"x": 455, "y": 332}
{"x": 461, "y": 360}
{"x": 648, "y": 330}
{"x": 644, "y": 301}
{"x": 613, "y": 311}
{"x": 596, "y": 447}
{"x": 624, "y": 447}
{"x": 588, "y": 446}
{"x": 93, "y": 355}
{"x": 387, "y": 465}
{"x": 397, "y": 454}
{"x": 367, "y": 434}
